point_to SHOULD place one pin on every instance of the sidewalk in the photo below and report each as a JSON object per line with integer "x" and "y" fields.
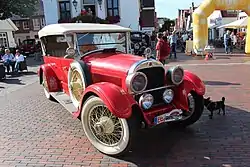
{"x": 221, "y": 51}
{"x": 221, "y": 58}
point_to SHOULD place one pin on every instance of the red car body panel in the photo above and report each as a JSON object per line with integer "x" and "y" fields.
{"x": 193, "y": 82}
{"x": 51, "y": 78}
{"x": 114, "y": 97}
{"x": 110, "y": 67}
{"x": 112, "y": 63}
{"x": 60, "y": 66}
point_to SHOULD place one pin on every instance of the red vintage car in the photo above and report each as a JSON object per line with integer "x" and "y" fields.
{"x": 90, "y": 70}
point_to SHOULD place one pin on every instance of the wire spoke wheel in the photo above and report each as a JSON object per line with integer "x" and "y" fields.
{"x": 108, "y": 133}
{"x": 105, "y": 126}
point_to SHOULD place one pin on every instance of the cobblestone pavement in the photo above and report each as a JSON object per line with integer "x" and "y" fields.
{"x": 38, "y": 132}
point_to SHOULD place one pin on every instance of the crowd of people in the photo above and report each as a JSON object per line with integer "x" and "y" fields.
{"x": 167, "y": 43}
{"x": 11, "y": 61}
{"x": 230, "y": 41}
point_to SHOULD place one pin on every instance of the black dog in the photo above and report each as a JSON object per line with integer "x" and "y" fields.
{"x": 217, "y": 105}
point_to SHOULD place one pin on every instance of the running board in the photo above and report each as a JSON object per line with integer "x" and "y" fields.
{"x": 64, "y": 100}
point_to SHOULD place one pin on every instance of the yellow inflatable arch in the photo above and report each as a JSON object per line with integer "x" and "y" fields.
{"x": 200, "y": 15}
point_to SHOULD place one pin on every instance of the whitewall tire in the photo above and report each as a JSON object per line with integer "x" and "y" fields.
{"x": 46, "y": 89}
{"x": 76, "y": 83}
{"x": 107, "y": 133}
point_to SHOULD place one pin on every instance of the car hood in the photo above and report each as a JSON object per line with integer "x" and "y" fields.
{"x": 115, "y": 63}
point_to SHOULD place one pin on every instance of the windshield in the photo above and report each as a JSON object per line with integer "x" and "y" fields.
{"x": 93, "y": 41}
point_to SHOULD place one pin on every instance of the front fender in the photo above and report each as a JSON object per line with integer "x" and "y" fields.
{"x": 51, "y": 78}
{"x": 115, "y": 98}
{"x": 190, "y": 83}
{"x": 193, "y": 83}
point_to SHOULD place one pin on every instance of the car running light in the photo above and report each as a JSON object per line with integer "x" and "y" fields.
{"x": 146, "y": 101}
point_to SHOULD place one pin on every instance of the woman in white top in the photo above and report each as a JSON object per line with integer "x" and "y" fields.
{"x": 234, "y": 39}
{"x": 18, "y": 58}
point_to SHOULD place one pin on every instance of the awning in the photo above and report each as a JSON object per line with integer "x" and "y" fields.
{"x": 242, "y": 23}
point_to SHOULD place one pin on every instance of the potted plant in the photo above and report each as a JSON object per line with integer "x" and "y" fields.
{"x": 113, "y": 19}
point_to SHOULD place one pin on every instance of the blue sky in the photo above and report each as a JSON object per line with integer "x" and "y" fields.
{"x": 169, "y": 8}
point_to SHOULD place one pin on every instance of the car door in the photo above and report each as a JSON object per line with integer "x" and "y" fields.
{"x": 55, "y": 51}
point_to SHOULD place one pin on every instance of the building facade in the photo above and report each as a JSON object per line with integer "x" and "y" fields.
{"x": 148, "y": 17}
{"x": 127, "y": 10}
{"x": 28, "y": 27}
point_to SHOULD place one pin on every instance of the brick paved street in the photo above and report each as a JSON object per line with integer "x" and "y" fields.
{"x": 38, "y": 132}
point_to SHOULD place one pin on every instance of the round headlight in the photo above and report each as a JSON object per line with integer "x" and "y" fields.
{"x": 146, "y": 101}
{"x": 176, "y": 75}
{"x": 168, "y": 96}
{"x": 137, "y": 82}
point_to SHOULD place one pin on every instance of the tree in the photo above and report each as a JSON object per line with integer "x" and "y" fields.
{"x": 23, "y": 8}
{"x": 167, "y": 24}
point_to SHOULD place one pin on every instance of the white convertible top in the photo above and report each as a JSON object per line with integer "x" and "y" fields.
{"x": 64, "y": 28}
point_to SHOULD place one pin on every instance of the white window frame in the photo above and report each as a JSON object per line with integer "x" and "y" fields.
{"x": 26, "y": 28}
{"x": 4, "y": 35}
{"x": 36, "y": 23}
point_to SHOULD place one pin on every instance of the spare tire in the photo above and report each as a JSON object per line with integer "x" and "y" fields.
{"x": 76, "y": 82}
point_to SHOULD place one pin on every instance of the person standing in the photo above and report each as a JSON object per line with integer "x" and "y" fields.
{"x": 173, "y": 44}
{"x": 234, "y": 39}
{"x": 162, "y": 49}
{"x": 184, "y": 39}
{"x": 227, "y": 42}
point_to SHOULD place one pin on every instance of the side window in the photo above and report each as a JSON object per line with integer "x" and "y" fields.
{"x": 55, "y": 45}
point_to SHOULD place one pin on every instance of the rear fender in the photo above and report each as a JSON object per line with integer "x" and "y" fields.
{"x": 115, "y": 98}
{"x": 191, "y": 83}
{"x": 51, "y": 78}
